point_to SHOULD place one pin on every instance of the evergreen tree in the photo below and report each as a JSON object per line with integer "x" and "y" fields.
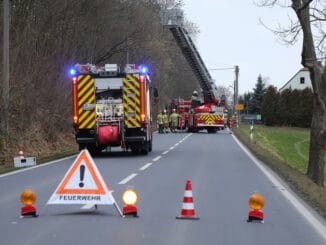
{"x": 246, "y": 101}
{"x": 285, "y": 109}
{"x": 257, "y": 97}
{"x": 270, "y": 109}
{"x": 294, "y": 108}
{"x": 305, "y": 108}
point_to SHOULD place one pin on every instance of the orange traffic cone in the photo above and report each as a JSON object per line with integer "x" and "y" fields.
{"x": 20, "y": 152}
{"x": 188, "y": 209}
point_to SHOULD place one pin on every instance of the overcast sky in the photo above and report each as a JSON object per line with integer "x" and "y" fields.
{"x": 230, "y": 34}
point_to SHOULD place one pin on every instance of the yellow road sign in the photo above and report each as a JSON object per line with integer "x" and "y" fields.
{"x": 239, "y": 107}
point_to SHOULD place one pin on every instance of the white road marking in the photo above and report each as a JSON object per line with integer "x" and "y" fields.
{"x": 37, "y": 166}
{"x": 125, "y": 180}
{"x": 156, "y": 158}
{"x": 172, "y": 147}
{"x": 176, "y": 144}
{"x": 87, "y": 206}
{"x": 296, "y": 203}
{"x": 145, "y": 166}
{"x": 165, "y": 152}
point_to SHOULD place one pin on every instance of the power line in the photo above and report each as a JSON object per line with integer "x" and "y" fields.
{"x": 221, "y": 69}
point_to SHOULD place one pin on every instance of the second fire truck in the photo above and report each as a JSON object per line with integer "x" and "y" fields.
{"x": 195, "y": 116}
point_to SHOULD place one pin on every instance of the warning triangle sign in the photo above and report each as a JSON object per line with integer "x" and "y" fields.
{"x": 82, "y": 184}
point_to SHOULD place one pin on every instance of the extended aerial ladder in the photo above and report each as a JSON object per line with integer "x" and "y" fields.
{"x": 173, "y": 20}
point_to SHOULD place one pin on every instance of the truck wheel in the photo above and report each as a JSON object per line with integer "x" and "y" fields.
{"x": 211, "y": 130}
{"x": 82, "y": 147}
{"x": 135, "y": 150}
{"x": 145, "y": 150}
{"x": 93, "y": 150}
{"x": 150, "y": 145}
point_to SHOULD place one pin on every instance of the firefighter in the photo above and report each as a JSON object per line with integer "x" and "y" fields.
{"x": 174, "y": 121}
{"x": 194, "y": 96}
{"x": 165, "y": 122}
{"x": 160, "y": 122}
{"x": 194, "y": 99}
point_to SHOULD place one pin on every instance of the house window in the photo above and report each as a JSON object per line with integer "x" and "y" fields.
{"x": 301, "y": 80}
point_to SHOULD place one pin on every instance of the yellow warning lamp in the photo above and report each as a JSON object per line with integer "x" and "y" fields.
{"x": 256, "y": 203}
{"x": 28, "y": 198}
{"x": 129, "y": 199}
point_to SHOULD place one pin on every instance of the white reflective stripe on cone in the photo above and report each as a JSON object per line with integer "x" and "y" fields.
{"x": 188, "y": 194}
{"x": 188, "y": 206}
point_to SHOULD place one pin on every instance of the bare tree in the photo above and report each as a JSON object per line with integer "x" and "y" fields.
{"x": 311, "y": 22}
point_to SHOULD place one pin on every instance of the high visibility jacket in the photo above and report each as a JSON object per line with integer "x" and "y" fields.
{"x": 194, "y": 97}
{"x": 174, "y": 118}
{"x": 160, "y": 118}
{"x": 165, "y": 118}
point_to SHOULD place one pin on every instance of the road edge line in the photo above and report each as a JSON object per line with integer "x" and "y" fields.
{"x": 37, "y": 166}
{"x": 295, "y": 201}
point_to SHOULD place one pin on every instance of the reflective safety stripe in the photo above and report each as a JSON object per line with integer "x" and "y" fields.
{"x": 210, "y": 119}
{"x": 188, "y": 206}
{"x": 131, "y": 100}
{"x": 188, "y": 194}
{"x": 86, "y": 101}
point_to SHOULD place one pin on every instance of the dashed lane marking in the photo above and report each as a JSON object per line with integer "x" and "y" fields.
{"x": 88, "y": 206}
{"x": 127, "y": 179}
{"x": 145, "y": 166}
{"x": 156, "y": 158}
{"x": 165, "y": 152}
{"x": 172, "y": 147}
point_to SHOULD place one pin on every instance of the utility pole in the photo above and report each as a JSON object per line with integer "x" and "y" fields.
{"x": 6, "y": 70}
{"x": 236, "y": 85}
{"x": 236, "y": 91}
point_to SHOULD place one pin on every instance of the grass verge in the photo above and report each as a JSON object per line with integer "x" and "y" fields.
{"x": 43, "y": 150}
{"x": 285, "y": 151}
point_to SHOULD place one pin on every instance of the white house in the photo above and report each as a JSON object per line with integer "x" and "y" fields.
{"x": 300, "y": 81}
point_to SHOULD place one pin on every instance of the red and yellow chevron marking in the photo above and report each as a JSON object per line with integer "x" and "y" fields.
{"x": 210, "y": 119}
{"x": 131, "y": 100}
{"x": 86, "y": 102}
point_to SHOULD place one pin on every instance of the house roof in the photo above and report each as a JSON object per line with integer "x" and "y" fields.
{"x": 302, "y": 69}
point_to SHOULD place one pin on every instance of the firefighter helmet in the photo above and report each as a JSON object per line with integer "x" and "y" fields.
{"x": 173, "y": 110}
{"x": 195, "y": 93}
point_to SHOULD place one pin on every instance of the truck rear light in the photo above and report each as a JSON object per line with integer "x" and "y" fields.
{"x": 75, "y": 119}
{"x": 142, "y": 117}
{"x": 74, "y": 80}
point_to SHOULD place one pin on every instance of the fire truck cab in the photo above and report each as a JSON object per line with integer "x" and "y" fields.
{"x": 111, "y": 108}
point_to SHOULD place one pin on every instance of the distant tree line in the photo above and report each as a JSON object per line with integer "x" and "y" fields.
{"x": 47, "y": 37}
{"x": 287, "y": 108}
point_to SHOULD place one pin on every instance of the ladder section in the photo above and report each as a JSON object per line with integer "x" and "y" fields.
{"x": 173, "y": 19}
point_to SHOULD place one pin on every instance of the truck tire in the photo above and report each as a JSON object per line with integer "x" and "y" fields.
{"x": 93, "y": 150}
{"x": 150, "y": 145}
{"x": 145, "y": 150}
{"x": 82, "y": 147}
{"x": 211, "y": 130}
{"x": 135, "y": 150}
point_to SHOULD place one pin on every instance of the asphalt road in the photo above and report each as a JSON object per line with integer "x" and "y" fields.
{"x": 223, "y": 177}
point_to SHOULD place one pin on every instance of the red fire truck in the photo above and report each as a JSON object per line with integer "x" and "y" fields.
{"x": 111, "y": 108}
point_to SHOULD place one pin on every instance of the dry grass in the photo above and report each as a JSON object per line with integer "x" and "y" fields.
{"x": 290, "y": 172}
{"x": 35, "y": 145}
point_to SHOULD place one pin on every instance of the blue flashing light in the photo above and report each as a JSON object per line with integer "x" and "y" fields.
{"x": 72, "y": 72}
{"x": 143, "y": 69}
